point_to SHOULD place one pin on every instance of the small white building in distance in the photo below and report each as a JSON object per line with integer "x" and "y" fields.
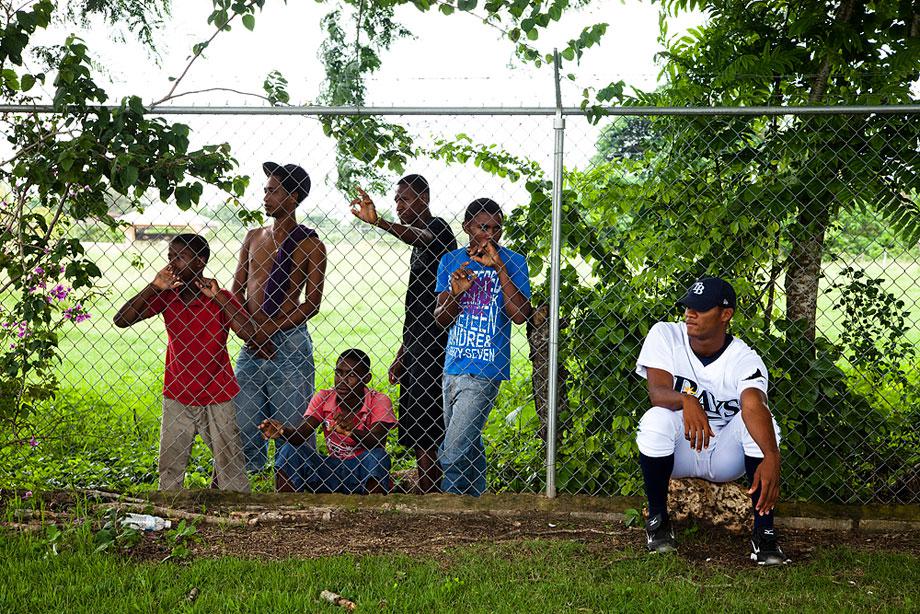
{"x": 162, "y": 218}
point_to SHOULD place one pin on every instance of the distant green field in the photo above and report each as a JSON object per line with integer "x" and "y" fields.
{"x": 362, "y": 307}
{"x": 108, "y": 369}
{"x": 110, "y": 374}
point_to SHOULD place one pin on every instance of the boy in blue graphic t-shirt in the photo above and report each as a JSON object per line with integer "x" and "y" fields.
{"x": 481, "y": 290}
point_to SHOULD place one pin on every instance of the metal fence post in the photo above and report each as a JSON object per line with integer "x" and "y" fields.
{"x": 552, "y": 388}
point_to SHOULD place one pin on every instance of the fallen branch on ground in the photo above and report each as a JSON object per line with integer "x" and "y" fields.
{"x": 108, "y": 496}
{"x": 336, "y": 599}
{"x": 168, "y": 512}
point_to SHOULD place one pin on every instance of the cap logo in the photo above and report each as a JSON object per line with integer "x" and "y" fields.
{"x": 697, "y": 288}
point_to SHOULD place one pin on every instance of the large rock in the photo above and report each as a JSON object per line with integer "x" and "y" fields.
{"x": 726, "y": 505}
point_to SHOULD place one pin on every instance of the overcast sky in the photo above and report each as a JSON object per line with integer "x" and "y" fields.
{"x": 451, "y": 61}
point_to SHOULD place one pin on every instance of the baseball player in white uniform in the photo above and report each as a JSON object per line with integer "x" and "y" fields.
{"x": 709, "y": 417}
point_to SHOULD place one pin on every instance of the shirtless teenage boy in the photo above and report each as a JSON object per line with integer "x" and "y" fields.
{"x": 278, "y": 265}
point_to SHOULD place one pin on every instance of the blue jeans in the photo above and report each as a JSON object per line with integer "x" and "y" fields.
{"x": 309, "y": 471}
{"x": 277, "y": 388}
{"x": 468, "y": 399}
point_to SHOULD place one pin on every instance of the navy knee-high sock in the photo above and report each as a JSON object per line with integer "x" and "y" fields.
{"x": 656, "y": 471}
{"x": 760, "y": 522}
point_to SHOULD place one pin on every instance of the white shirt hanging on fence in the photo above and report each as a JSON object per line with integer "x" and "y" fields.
{"x": 717, "y": 385}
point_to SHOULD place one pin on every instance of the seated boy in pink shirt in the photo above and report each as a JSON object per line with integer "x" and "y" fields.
{"x": 355, "y": 421}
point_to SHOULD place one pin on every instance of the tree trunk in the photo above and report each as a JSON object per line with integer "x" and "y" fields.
{"x": 538, "y": 340}
{"x": 804, "y": 272}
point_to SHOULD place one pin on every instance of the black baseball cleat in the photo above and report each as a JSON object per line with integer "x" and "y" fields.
{"x": 765, "y": 549}
{"x": 660, "y": 535}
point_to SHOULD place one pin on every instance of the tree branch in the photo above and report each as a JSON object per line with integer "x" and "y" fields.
{"x": 201, "y": 49}
{"x": 819, "y": 83}
{"x": 219, "y": 89}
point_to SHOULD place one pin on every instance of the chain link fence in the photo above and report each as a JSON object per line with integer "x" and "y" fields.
{"x": 812, "y": 216}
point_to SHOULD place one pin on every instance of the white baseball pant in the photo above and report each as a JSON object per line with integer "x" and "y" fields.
{"x": 661, "y": 432}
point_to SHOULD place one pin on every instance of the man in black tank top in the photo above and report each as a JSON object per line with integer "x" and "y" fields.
{"x": 419, "y": 363}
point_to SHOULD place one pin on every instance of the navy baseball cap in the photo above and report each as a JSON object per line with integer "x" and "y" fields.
{"x": 708, "y": 292}
{"x": 292, "y": 177}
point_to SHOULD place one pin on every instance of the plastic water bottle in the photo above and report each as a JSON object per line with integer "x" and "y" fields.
{"x": 145, "y": 522}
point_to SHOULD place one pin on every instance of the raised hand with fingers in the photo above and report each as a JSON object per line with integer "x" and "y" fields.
{"x": 271, "y": 429}
{"x": 486, "y": 254}
{"x": 166, "y": 279}
{"x": 208, "y": 287}
{"x": 461, "y": 280}
{"x": 363, "y": 208}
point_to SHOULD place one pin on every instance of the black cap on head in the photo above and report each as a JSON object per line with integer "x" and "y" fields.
{"x": 292, "y": 177}
{"x": 708, "y": 292}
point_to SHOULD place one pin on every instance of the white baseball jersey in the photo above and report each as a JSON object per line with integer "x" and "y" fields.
{"x": 717, "y": 385}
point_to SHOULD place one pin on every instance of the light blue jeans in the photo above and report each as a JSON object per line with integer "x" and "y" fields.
{"x": 277, "y": 388}
{"x": 468, "y": 399}
{"x": 309, "y": 471}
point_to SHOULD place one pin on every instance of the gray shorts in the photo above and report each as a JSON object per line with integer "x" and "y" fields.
{"x": 217, "y": 426}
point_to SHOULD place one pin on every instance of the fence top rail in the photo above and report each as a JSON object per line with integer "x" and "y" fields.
{"x": 482, "y": 111}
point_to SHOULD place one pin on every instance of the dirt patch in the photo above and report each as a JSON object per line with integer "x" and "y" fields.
{"x": 372, "y": 532}
{"x": 433, "y": 535}
{"x": 328, "y": 528}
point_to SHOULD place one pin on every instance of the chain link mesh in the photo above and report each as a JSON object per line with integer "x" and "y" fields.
{"x": 650, "y": 202}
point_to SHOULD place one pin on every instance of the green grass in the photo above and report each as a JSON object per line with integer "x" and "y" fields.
{"x": 363, "y": 307}
{"x": 538, "y": 576}
{"x": 111, "y": 379}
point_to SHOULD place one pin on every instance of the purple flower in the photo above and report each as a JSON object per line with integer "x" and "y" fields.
{"x": 33, "y": 443}
{"x": 39, "y": 270}
{"x": 59, "y": 292}
{"x": 27, "y": 495}
{"x": 76, "y": 314}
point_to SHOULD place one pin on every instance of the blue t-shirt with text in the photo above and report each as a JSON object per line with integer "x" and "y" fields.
{"x": 479, "y": 342}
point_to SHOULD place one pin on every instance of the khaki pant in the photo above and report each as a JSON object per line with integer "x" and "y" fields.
{"x": 217, "y": 426}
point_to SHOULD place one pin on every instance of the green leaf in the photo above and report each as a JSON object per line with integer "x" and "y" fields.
{"x": 129, "y": 176}
{"x": 26, "y": 82}
{"x": 249, "y": 21}
{"x": 466, "y": 5}
{"x": 221, "y": 18}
